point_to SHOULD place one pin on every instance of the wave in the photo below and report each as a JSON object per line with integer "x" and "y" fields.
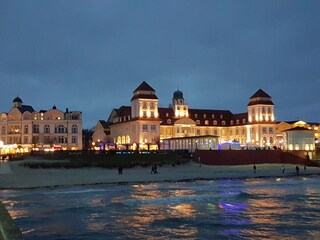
{"x": 81, "y": 191}
{"x": 244, "y": 196}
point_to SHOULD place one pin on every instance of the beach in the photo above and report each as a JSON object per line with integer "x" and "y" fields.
{"x": 14, "y": 176}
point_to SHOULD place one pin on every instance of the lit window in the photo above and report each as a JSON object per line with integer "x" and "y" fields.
{"x": 215, "y": 122}
{"x": 221, "y": 116}
{"x": 212, "y": 115}
{"x": 223, "y": 122}
{"x": 204, "y": 115}
{"x": 196, "y": 115}
{"x": 198, "y": 122}
{"x": 169, "y": 121}
{"x": 237, "y": 121}
{"x": 206, "y": 122}
{"x": 231, "y": 122}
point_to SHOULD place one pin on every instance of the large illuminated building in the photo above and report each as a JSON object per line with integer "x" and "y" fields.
{"x": 145, "y": 125}
{"x": 26, "y": 128}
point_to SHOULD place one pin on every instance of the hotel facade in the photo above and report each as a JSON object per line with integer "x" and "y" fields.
{"x": 145, "y": 125}
{"x": 45, "y": 129}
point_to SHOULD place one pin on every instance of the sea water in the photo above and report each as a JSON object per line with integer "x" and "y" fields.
{"x": 257, "y": 208}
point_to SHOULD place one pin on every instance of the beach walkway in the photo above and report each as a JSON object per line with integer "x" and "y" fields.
{"x": 14, "y": 176}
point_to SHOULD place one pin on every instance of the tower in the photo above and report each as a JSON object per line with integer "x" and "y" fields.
{"x": 260, "y": 108}
{"x": 144, "y": 103}
{"x": 179, "y": 107}
{"x": 17, "y": 102}
{"x": 261, "y": 119}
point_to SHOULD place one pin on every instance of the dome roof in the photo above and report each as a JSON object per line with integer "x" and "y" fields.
{"x": 17, "y": 99}
{"x": 177, "y": 95}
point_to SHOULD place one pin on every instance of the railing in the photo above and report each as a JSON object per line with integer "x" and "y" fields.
{"x": 8, "y": 230}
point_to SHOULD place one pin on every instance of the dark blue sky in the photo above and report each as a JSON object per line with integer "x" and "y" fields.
{"x": 90, "y": 55}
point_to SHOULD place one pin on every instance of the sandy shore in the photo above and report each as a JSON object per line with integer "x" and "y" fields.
{"x": 13, "y": 176}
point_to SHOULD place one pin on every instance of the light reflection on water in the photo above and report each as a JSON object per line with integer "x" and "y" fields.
{"x": 286, "y": 208}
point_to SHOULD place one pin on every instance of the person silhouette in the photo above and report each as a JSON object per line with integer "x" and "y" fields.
{"x": 254, "y": 168}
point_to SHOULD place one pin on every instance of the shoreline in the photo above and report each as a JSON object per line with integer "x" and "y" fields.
{"x": 151, "y": 182}
{"x": 16, "y": 177}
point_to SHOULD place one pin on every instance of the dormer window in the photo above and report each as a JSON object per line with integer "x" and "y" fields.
{"x": 167, "y": 114}
{"x": 215, "y": 122}
{"x": 221, "y": 116}
{"x": 196, "y": 115}
{"x": 237, "y": 121}
{"x": 244, "y": 121}
{"x": 204, "y": 116}
{"x": 198, "y": 122}
{"x": 223, "y": 122}
{"x": 206, "y": 122}
{"x": 231, "y": 122}
{"x": 168, "y": 121}
{"x": 212, "y": 116}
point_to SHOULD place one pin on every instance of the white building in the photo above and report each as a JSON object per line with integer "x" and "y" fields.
{"x": 28, "y": 128}
{"x": 299, "y": 138}
{"x": 146, "y": 125}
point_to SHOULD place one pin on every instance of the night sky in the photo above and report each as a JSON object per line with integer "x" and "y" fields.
{"x": 91, "y": 55}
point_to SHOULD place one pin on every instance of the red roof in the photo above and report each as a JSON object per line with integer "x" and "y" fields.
{"x": 144, "y": 87}
{"x": 260, "y": 93}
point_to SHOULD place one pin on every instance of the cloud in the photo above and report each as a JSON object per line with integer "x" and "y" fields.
{"x": 91, "y": 55}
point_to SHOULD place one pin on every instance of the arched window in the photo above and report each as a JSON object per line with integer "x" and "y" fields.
{"x": 46, "y": 129}
{"x": 123, "y": 139}
{"x": 74, "y": 139}
{"x": 264, "y": 140}
{"x": 128, "y": 139}
{"x": 119, "y": 140}
{"x": 215, "y": 122}
{"x": 169, "y": 121}
{"x": 60, "y": 129}
{"x": 3, "y": 130}
{"x": 74, "y": 129}
{"x": 26, "y": 129}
